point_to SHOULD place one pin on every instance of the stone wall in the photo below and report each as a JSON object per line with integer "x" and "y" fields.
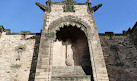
{"x": 19, "y": 59}
{"x": 133, "y": 34}
{"x": 120, "y": 56}
{"x": 16, "y": 52}
{"x": 57, "y": 13}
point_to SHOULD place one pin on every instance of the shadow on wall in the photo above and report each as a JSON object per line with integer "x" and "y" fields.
{"x": 34, "y": 58}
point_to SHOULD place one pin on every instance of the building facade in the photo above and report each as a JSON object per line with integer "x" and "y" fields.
{"x": 69, "y": 48}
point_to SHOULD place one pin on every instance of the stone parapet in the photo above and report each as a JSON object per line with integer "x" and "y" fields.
{"x": 133, "y": 34}
{"x": 120, "y": 57}
{"x": 8, "y": 32}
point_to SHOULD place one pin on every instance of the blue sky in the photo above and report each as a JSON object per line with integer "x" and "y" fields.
{"x": 24, "y": 15}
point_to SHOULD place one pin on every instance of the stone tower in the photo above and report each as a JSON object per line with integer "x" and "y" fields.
{"x": 70, "y": 48}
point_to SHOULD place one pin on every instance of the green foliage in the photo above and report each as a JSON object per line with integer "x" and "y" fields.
{"x": 16, "y": 66}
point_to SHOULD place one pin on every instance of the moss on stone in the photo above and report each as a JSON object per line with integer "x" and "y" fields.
{"x": 16, "y": 66}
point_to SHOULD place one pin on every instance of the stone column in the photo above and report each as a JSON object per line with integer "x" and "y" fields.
{"x": 97, "y": 58}
{"x": 43, "y": 70}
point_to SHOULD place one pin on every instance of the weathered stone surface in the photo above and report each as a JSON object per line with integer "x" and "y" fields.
{"x": 72, "y": 78}
{"x": 15, "y": 57}
{"x": 68, "y": 48}
{"x": 120, "y": 56}
{"x": 132, "y": 33}
{"x": 55, "y": 52}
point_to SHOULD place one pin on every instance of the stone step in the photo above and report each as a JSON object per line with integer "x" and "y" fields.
{"x": 71, "y": 78}
{"x": 70, "y": 70}
{"x": 41, "y": 70}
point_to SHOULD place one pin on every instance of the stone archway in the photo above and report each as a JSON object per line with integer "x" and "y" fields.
{"x": 71, "y": 47}
{"x": 71, "y": 52}
{"x": 68, "y": 20}
{"x": 78, "y": 70}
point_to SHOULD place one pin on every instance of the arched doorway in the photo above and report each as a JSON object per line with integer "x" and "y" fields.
{"x": 71, "y": 49}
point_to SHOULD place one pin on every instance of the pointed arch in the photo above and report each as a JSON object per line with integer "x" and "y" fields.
{"x": 68, "y": 20}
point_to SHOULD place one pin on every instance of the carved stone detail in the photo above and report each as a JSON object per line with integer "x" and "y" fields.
{"x": 69, "y": 6}
{"x": 68, "y": 20}
{"x": 45, "y": 8}
{"x": 93, "y": 9}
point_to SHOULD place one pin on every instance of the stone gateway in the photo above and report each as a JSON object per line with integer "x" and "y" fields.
{"x": 68, "y": 48}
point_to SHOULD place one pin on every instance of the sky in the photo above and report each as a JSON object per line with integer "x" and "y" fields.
{"x": 23, "y": 15}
